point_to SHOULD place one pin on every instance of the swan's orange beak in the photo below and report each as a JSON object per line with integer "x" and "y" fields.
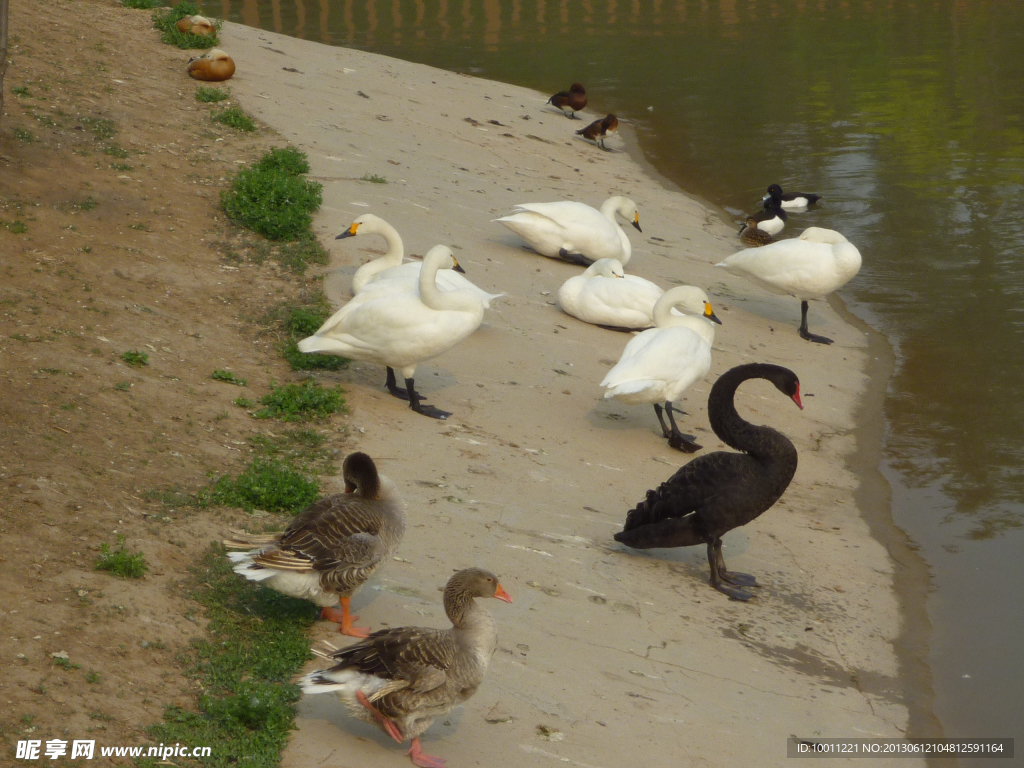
{"x": 796, "y": 397}
{"x": 501, "y": 594}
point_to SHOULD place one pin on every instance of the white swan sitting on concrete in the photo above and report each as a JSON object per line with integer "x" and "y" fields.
{"x": 813, "y": 265}
{"x": 403, "y": 328}
{"x": 390, "y": 267}
{"x": 605, "y": 295}
{"x": 658, "y": 365}
{"x": 575, "y": 232}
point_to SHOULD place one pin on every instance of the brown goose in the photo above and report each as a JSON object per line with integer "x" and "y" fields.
{"x": 332, "y": 547}
{"x": 404, "y": 678}
{"x": 599, "y": 129}
{"x": 720, "y": 491}
{"x": 571, "y": 101}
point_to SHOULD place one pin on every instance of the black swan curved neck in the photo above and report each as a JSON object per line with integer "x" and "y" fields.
{"x": 759, "y": 441}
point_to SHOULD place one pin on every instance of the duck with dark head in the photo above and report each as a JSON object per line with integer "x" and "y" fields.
{"x": 571, "y": 101}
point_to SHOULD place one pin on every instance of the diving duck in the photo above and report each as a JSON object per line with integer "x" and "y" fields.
{"x": 404, "y": 678}
{"x": 813, "y": 265}
{"x": 332, "y": 547}
{"x": 213, "y": 66}
{"x": 771, "y": 219}
{"x": 791, "y": 201}
{"x": 599, "y": 129}
{"x": 720, "y": 491}
{"x": 570, "y": 102}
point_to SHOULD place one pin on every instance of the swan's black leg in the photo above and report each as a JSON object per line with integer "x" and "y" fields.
{"x": 733, "y": 577}
{"x": 664, "y": 427}
{"x": 716, "y": 581}
{"x": 392, "y": 386}
{"x": 804, "y": 333}
{"x": 677, "y": 440}
{"x": 416, "y": 403}
{"x": 575, "y": 258}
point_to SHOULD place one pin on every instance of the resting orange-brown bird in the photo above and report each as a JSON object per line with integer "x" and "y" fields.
{"x": 571, "y": 101}
{"x": 212, "y": 66}
{"x": 599, "y": 129}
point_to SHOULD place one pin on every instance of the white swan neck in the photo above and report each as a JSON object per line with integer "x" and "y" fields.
{"x": 461, "y": 300}
{"x": 392, "y": 258}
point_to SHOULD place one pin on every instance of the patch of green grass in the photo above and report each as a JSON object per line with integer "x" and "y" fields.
{"x": 304, "y": 448}
{"x": 298, "y": 255}
{"x": 122, "y": 386}
{"x": 14, "y": 227}
{"x": 301, "y": 402}
{"x": 373, "y": 178}
{"x": 165, "y": 21}
{"x": 255, "y": 643}
{"x": 268, "y": 484}
{"x": 273, "y": 200}
{"x": 143, "y": 4}
{"x": 229, "y": 377}
{"x": 300, "y": 322}
{"x": 100, "y": 127}
{"x": 66, "y": 663}
{"x": 92, "y": 676}
{"x": 22, "y": 135}
{"x": 115, "y": 150}
{"x": 21, "y": 90}
{"x": 244, "y": 402}
{"x": 285, "y": 160}
{"x": 121, "y": 562}
{"x": 234, "y": 117}
{"x": 83, "y": 205}
{"x": 122, "y": 167}
{"x": 47, "y": 121}
{"x": 209, "y": 95}
{"x": 136, "y": 358}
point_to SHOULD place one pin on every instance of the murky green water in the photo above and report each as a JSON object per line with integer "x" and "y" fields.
{"x": 908, "y": 116}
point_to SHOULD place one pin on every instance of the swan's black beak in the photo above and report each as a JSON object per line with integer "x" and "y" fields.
{"x": 636, "y": 223}
{"x": 458, "y": 267}
{"x": 709, "y": 314}
{"x": 350, "y": 232}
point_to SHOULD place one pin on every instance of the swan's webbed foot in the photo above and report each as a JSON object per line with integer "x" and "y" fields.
{"x": 574, "y": 258}
{"x": 684, "y": 443}
{"x": 804, "y": 333}
{"x": 417, "y": 404}
{"x": 391, "y": 383}
{"x": 724, "y": 581}
{"x": 676, "y": 439}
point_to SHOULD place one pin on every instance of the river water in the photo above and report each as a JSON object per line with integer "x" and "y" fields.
{"x": 908, "y": 117}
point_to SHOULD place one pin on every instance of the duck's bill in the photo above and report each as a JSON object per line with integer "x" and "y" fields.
{"x": 502, "y": 595}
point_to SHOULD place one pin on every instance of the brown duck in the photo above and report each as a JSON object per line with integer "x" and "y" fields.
{"x": 599, "y": 129}
{"x": 332, "y": 547}
{"x": 720, "y": 491}
{"x": 571, "y": 101}
{"x": 404, "y": 678}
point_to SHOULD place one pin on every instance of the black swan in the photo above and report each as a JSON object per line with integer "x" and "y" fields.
{"x": 720, "y": 491}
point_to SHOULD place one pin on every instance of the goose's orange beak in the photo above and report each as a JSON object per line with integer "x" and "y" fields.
{"x": 501, "y": 594}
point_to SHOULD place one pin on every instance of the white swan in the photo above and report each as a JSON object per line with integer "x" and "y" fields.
{"x": 403, "y": 328}
{"x": 658, "y": 365}
{"x": 575, "y": 232}
{"x": 389, "y": 267}
{"x": 813, "y": 265}
{"x": 605, "y": 295}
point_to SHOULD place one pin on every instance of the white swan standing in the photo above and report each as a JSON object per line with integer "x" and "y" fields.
{"x": 403, "y": 328}
{"x": 658, "y": 365}
{"x": 389, "y": 267}
{"x": 575, "y": 232}
{"x": 813, "y": 265}
{"x": 605, "y": 295}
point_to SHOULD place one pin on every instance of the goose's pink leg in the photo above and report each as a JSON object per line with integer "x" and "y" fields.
{"x": 385, "y": 722}
{"x": 344, "y": 619}
{"x": 421, "y": 759}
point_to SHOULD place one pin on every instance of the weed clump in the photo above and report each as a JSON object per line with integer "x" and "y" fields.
{"x": 272, "y": 198}
{"x": 234, "y": 117}
{"x": 268, "y": 484}
{"x": 14, "y": 227}
{"x": 373, "y": 178}
{"x": 171, "y": 35}
{"x": 301, "y": 402}
{"x": 209, "y": 95}
{"x": 121, "y": 562}
{"x": 136, "y": 358}
{"x": 228, "y": 377}
{"x": 301, "y": 321}
{"x": 143, "y": 4}
{"x": 255, "y": 643}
